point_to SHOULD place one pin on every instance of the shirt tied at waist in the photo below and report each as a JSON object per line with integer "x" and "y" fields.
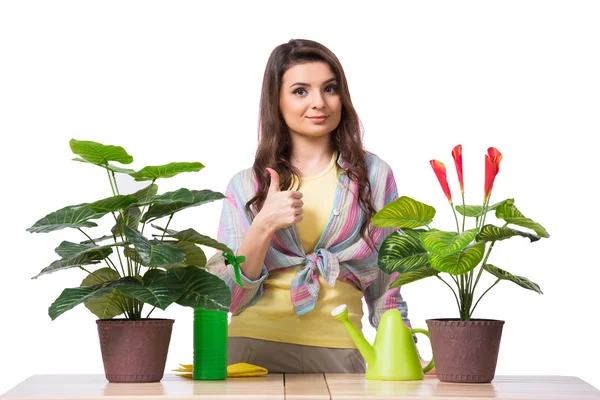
{"x": 305, "y": 286}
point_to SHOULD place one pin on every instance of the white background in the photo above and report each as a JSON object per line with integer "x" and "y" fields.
{"x": 180, "y": 81}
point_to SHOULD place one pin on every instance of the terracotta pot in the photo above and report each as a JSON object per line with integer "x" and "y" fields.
{"x": 134, "y": 351}
{"x": 465, "y": 351}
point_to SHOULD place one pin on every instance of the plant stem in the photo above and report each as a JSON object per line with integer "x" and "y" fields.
{"x": 464, "y": 211}
{"x": 482, "y": 264}
{"x": 453, "y": 291}
{"x": 148, "y": 316}
{"x": 91, "y": 273}
{"x": 115, "y": 180}
{"x": 166, "y": 227}
{"x": 86, "y": 235}
{"x": 486, "y": 206}
{"x": 480, "y": 297}
{"x": 455, "y": 217}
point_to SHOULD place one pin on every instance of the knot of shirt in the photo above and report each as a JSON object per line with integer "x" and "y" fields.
{"x": 305, "y": 286}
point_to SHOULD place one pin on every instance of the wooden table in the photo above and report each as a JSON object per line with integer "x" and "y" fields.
{"x": 298, "y": 386}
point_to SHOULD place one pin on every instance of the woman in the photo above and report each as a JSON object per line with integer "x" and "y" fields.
{"x": 301, "y": 217}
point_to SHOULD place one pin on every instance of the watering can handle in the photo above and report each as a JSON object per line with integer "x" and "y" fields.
{"x": 429, "y": 366}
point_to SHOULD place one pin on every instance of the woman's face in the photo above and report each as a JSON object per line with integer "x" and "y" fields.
{"x": 308, "y": 91}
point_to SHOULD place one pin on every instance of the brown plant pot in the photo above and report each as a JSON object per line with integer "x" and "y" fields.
{"x": 465, "y": 351}
{"x": 134, "y": 351}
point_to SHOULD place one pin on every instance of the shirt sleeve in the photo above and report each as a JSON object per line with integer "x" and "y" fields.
{"x": 233, "y": 225}
{"x": 378, "y": 296}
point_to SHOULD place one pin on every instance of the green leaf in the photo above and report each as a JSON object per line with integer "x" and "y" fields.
{"x": 512, "y": 215}
{"x": 404, "y": 213}
{"x": 111, "y": 204}
{"x": 153, "y": 253}
{"x": 109, "y": 305}
{"x": 133, "y": 255}
{"x": 166, "y": 171}
{"x": 132, "y": 218}
{"x": 182, "y": 195}
{"x": 190, "y": 235}
{"x": 519, "y": 280}
{"x": 491, "y": 233}
{"x": 459, "y": 263}
{"x": 67, "y": 250}
{"x": 402, "y": 251}
{"x": 90, "y": 255}
{"x": 97, "y": 240}
{"x": 200, "y": 197}
{"x": 202, "y": 289}
{"x": 412, "y": 276}
{"x": 193, "y": 254}
{"x": 72, "y": 297}
{"x": 76, "y": 216}
{"x": 477, "y": 211}
{"x": 159, "y": 289}
{"x": 99, "y": 154}
{"x": 146, "y": 193}
{"x": 109, "y": 166}
{"x": 132, "y": 214}
{"x": 444, "y": 243}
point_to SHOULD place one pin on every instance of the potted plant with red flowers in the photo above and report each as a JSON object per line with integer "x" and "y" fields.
{"x": 166, "y": 268}
{"x": 465, "y": 349}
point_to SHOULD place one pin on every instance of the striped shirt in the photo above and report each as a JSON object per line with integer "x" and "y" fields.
{"x": 341, "y": 253}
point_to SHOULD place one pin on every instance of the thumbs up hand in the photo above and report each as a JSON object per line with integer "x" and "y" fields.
{"x": 281, "y": 209}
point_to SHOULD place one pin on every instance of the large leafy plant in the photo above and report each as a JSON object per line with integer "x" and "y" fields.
{"x": 165, "y": 268}
{"x": 418, "y": 251}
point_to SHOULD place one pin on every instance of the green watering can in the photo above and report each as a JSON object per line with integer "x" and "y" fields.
{"x": 393, "y": 356}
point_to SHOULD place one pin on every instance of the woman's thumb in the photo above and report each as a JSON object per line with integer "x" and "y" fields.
{"x": 274, "y": 186}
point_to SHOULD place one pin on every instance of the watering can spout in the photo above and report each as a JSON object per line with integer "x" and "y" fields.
{"x": 368, "y": 352}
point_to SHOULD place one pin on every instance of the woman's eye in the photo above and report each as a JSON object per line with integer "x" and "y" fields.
{"x": 333, "y": 88}
{"x": 298, "y": 90}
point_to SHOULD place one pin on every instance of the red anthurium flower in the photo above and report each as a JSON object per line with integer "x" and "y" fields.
{"x": 492, "y": 167}
{"x": 440, "y": 171}
{"x": 457, "y": 155}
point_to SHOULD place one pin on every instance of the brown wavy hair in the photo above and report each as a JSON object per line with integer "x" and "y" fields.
{"x": 274, "y": 138}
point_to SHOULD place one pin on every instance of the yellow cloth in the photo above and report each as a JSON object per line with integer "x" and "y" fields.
{"x": 233, "y": 370}
{"x": 273, "y": 317}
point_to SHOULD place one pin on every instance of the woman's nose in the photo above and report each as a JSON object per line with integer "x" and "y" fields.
{"x": 317, "y": 100}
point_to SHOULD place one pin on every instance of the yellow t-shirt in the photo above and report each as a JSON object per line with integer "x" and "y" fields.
{"x": 273, "y": 317}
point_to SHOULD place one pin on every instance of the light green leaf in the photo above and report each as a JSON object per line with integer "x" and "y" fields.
{"x": 166, "y": 171}
{"x": 491, "y": 233}
{"x": 72, "y": 297}
{"x": 459, "y": 263}
{"x": 161, "y": 210}
{"x": 404, "y": 213}
{"x": 193, "y": 254}
{"x": 477, "y": 211}
{"x": 402, "y": 251}
{"x": 190, "y": 235}
{"x": 519, "y": 280}
{"x": 109, "y": 305}
{"x": 412, "y": 276}
{"x": 444, "y": 243}
{"x": 202, "y": 289}
{"x": 512, "y": 215}
{"x": 110, "y": 167}
{"x": 99, "y": 154}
